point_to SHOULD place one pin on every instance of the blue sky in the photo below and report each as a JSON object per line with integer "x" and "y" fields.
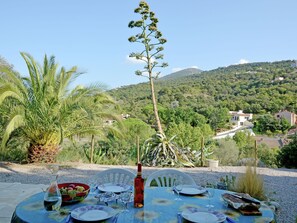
{"x": 92, "y": 34}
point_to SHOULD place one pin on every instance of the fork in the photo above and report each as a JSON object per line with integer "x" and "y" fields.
{"x": 179, "y": 218}
{"x": 115, "y": 218}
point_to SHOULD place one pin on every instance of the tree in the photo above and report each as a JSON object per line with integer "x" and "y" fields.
{"x": 219, "y": 118}
{"x": 268, "y": 123}
{"x": 288, "y": 154}
{"x": 44, "y": 110}
{"x": 151, "y": 38}
{"x": 227, "y": 152}
{"x": 245, "y": 143}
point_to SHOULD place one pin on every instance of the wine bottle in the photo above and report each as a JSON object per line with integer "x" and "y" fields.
{"x": 139, "y": 188}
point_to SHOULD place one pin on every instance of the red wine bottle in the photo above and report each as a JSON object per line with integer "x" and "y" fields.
{"x": 138, "y": 188}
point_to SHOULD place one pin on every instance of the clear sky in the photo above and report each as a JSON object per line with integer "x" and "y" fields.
{"x": 92, "y": 34}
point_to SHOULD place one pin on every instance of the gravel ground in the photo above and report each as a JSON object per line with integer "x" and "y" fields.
{"x": 280, "y": 184}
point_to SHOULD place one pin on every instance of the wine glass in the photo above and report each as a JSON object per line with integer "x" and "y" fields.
{"x": 93, "y": 186}
{"x": 177, "y": 186}
{"x": 210, "y": 194}
{"x": 125, "y": 197}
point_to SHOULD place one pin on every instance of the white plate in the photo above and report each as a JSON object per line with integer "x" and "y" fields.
{"x": 115, "y": 188}
{"x": 92, "y": 213}
{"x": 200, "y": 217}
{"x": 191, "y": 210}
{"x": 192, "y": 190}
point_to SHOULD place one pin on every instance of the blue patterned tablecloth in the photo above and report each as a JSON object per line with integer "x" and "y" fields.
{"x": 159, "y": 207}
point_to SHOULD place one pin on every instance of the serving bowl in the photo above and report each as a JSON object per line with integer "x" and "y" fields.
{"x": 73, "y": 192}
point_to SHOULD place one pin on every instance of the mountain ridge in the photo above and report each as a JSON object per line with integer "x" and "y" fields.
{"x": 181, "y": 73}
{"x": 258, "y": 88}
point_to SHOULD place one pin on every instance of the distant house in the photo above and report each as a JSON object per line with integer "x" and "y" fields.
{"x": 289, "y": 116}
{"x": 239, "y": 118}
{"x": 279, "y": 79}
{"x": 125, "y": 116}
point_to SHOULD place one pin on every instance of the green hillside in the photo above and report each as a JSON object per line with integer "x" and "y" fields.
{"x": 180, "y": 74}
{"x": 258, "y": 88}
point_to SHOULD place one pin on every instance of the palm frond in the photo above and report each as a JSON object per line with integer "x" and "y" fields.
{"x": 16, "y": 122}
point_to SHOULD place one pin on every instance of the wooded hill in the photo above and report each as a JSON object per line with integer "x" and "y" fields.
{"x": 259, "y": 88}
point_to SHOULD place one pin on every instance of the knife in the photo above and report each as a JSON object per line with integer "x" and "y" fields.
{"x": 179, "y": 218}
{"x": 250, "y": 200}
{"x": 68, "y": 218}
{"x": 230, "y": 220}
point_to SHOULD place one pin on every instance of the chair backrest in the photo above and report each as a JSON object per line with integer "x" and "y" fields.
{"x": 116, "y": 176}
{"x": 166, "y": 178}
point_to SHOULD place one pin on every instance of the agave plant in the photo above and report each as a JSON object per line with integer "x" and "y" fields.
{"x": 160, "y": 151}
{"x": 43, "y": 108}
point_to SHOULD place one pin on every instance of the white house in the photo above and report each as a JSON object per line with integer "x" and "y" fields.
{"x": 239, "y": 118}
{"x": 289, "y": 116}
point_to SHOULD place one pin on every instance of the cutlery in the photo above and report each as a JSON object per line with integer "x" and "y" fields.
{"x": 250, "y": 200}
{"x": 179, "y": 218}
{"x": 115, "y": 218}
{"x": 68, "y": 219}
{"x": 230, "y": 220}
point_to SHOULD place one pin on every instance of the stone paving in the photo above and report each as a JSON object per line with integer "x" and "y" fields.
{"x": 12, "y": 194}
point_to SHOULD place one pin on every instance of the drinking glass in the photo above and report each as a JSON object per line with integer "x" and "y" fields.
{"x": 125, "y": 198}
{"x": 177, "y": 186}
{"x": 210, "y": 194}
{"x": 107, "y": 197}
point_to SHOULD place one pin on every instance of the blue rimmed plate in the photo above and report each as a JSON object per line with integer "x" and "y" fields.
{"x": 91, "y": 213}
{"x": 115, "y": 188}
{"x": 192, "y": 210}
{"x": 200, "y": 217}
{"x": 192, "y": 190}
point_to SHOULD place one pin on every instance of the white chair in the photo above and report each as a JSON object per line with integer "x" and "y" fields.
{"x": 115, "y": 176}
{"x": 166, "y": 178}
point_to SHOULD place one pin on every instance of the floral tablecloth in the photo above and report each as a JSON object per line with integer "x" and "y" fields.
{"x": 159, "y": 206}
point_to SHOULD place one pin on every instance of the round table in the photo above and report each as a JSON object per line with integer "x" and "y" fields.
{"x": 159, "y": 206}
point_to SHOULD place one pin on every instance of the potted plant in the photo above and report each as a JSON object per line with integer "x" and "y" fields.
{"x": 226, "y": 183}
{"x": 213, "y": 162}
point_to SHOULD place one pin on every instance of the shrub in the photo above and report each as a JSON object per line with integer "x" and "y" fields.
{"x": 71, "y": 154}
{"x": 227, "y": 152}
{"x": 251, "y": 183}
{"x": 288, "y": 154}
{"x": 267, "y": 155}
{"x": 16, "y": 150}
{"x": 14, "y": 155}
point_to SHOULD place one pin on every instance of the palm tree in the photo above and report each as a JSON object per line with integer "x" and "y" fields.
{"x": 45, "y": 110}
